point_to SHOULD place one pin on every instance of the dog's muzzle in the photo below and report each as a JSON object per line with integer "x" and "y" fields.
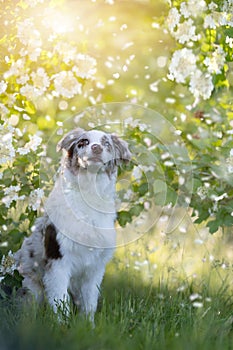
{"x": 96, "y": 148}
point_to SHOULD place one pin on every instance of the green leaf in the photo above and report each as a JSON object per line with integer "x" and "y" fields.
{"x": 203, "y": 213}
{"x": 159, "y": 186}
{"x": 213, "y": 226}
{"x": 136, "y": 210}
{"x": 123, "y": 218}
{"x": 143, "y": 189}
{"x": 16, "y": 236}
{"x": 196, "y": 184}
{"x": 171, "y": 196}
{"x": 228, "y": 220}
{"x": 160, "y": 191}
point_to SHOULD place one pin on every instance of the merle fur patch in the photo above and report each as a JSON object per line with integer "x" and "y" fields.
{"x": 105, "y": 142}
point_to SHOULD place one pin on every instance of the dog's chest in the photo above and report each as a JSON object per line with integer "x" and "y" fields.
{"x": 82, "y": 257}
{"x": 84, "y": 209}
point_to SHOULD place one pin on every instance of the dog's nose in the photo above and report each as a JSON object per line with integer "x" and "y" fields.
{"x": 96, "y": 148}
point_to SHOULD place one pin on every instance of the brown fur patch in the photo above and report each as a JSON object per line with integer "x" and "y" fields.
{"x": 31, "y": 253}
{"x": 52, "y": 248}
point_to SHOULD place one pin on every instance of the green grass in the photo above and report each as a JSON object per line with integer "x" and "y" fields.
{"x": 132, "y": 316}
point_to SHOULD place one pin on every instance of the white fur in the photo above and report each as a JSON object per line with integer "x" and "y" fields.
{"x": 82, "y": 208}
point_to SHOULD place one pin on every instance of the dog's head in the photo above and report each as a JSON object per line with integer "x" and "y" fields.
{"x": 94, "y": 150}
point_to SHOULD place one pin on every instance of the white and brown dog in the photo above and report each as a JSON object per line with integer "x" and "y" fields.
{"x": 70, "y": 245}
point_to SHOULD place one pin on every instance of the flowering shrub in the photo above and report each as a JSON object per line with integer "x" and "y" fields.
{"x": 54, "y": 62}
{"x": 39, "y": 69}
{"x": 209, "y": 42}
{"x": 202, "y": 61}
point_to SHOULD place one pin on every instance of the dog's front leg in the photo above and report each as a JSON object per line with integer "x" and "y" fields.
{"x": 90, "y": 288}
{"x": 56, "y": 282}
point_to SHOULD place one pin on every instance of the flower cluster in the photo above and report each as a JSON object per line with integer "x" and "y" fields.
{"x": 6, "y": 143}
{"x": 194, "y": 64}
{"x": 11, "y": 194}
{"x": 7, "y": 265}
{"x": 230, "y": 162}
{"x": 39, "y": 70}
{"x": 66, "y": 84}
{"x": 19, "y": 185}
{"x": 32, "y": 145}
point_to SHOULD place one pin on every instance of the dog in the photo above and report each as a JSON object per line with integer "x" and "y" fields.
{"x": 65, "y": 256}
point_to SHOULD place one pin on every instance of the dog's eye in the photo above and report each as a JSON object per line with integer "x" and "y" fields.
{"x": 107, "y": 144}
{"x": 82, "y": 143}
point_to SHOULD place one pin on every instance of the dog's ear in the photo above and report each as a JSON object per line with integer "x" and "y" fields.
{"x": 69, "y": 140}
{"x": 123, "y": 153}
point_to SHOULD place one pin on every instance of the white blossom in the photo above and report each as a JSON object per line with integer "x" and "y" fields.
{"x": 16, "y": 69}
{"x": 184, "y": 10}
{"x": 195, "y": 296}
{"x": 27, "y": 34}
{"x": 134, "y": 123}
{"x": 181, "y": 288}
{"x": 40, "y": 80}
{"x": 34, "y": 142}
{"x": 198, "y": 304}
{"x": 201, "y": 85}
{"x": 141, "y": 263}
{"x": 22, "y": 151}
{"x": 137, "y": 173}
{"x": 35, "y": 198}
{"x": 185, "y": 32}
{"x": 29, "y": 91}
{"x": 66, "y": 84}
{"x": 219, "y": 198}
{"x": 202, "y": 192}
{"x": 85, "y": 66}
{"x": 212, "y": 6}
{"x": 32, "y": 145}
{"x": 12, "y": 189}
{"x": 173, "y": 18}
{"x": 31, "y": 51}
{"x": 229, "y": 41}
{"x": 229, "y": 162}
{"x": 183, "y": 64}
{"x": 192, "y": 8}
{"x": 3, "y": 86}
{"x": 154, "y": 86}
{"x": 216, "y": 62}
{"x": 196, "y": 8}
{"x": 3, "y": 110}
{"x": 6, "y": 144}
{"x": 227, "y": 6}
{"x": 66, "y": 50}
{"x": 8, "y": 264}
{"x": 30, "y": 37}
{"x": 209, "y": 22}
{"x": 11, "y": 194}
{"x": 22, "y": 79}
{"x": 221, "y": 18}
{"x": 128, "y": 195}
